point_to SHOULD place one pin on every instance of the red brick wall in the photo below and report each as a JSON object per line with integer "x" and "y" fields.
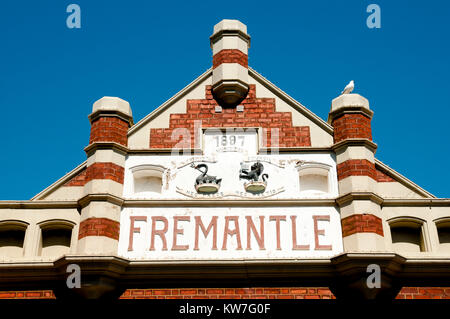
{"x": 383, "y": 178}
{"x": 77, "y": 180}
{"x": 424, "y": 293}
{"x": 230, "y": 56}
{"x": 230, "y": 293}
{"x": 99, "y": 227}
{"x": 352, "y": 126}
{"x": 361, "y": 223}
{"x": 36, "y": 294}
{"x": 241, "y": 293}
{"x": 109, "y": 129}
{"x": 257, "y": 113}
{"x": 101, "y": 170}
{"x": 356, "y": 167}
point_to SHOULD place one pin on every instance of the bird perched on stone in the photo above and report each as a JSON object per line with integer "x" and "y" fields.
{"x": 349, "y": 88}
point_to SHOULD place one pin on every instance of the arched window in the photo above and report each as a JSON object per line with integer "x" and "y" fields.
{"x": 12, "y": 236}
{"x": 56, "y": 237}
{"x": 443, "y": 230}
{"x": 147, "y": 179}
{"x": 407, "y": 235}
{"x": 314, "y": 178}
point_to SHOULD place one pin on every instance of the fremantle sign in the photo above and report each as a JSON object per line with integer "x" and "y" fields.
{"x": 220, "y": 233}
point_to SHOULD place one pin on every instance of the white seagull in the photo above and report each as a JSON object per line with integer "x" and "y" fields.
{"x": 349, "y": 88}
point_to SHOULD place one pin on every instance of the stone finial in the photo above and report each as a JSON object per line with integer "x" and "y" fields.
{"x": 345, "y": 103}
{"x": 230, "y": 43}
{"x": 109, "y": 103}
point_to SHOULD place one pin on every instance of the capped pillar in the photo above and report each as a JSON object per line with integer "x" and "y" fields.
{"x": 100, "y": 214}
{"x": 230, "y": 43}
{"x": 362, "y": 226}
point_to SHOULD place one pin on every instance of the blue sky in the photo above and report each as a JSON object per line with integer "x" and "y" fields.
{"x": 145, "y": 52}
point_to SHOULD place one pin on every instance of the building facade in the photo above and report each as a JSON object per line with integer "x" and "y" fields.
{"x": 230, "y": 189}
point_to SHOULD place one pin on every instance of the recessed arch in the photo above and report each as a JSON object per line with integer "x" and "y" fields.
{"x": 442, "y": 221}
{"x": 408, "y": 234}
{"x": 12, "y": 238}
{"x": 408, "y": 221}
{"x": 56, "y": 223}
{"x": 443, "y": 231}
{"x": 147, "y": 179}
{"x": 314, "y": 178}
{"x": 55, "y": 237}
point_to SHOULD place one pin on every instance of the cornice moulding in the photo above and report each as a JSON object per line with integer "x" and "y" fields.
{"x": 38, "y": 204}
{"x": 355, "y": 142}
{"x": 91, "y": 148}
{"x": 347, "y": 198}
{"x": 110, "y": 113}
{"x": 227, "y": 202}
{"x": 419, "y": 202}
{"x": 350, "y": 110}
{"x": 84, "y": 201}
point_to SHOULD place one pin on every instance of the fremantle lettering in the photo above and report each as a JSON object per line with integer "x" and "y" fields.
{"x": 214, "y": 232}
{"x": 249, "y": 232}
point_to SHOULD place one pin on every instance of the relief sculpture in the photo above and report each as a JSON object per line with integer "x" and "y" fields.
{"x": 205, "y": 183}
{"x": 254, "y": 185}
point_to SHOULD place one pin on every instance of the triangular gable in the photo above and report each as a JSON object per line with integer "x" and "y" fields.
{"x": 399, "y": 178}
{"x": 139, "y": 135}
{"x": 70, "y": 176}
{"x": 321, "y": 132}
{"x": 196, "y": 89}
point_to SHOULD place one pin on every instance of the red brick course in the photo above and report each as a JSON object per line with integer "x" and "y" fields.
{"x": 77, "y": 180}
{"x": 356, "y": 167}
{"x": 424, "y": 293}
{"x": 230, "y": 293}
{"x": 352, "y": 126}
{"x": 361, "y": 223}
{"x": 242, "y": 293}
{"x": 383, "y": 178}
{"x": 230, "y": 56}
{"x": 101, "y": 170}
{"x": 35, "y": 294}
{"x": 257, "y": 113}
{"x": 99, "y": 227}
{"x": 109, "y": 129}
